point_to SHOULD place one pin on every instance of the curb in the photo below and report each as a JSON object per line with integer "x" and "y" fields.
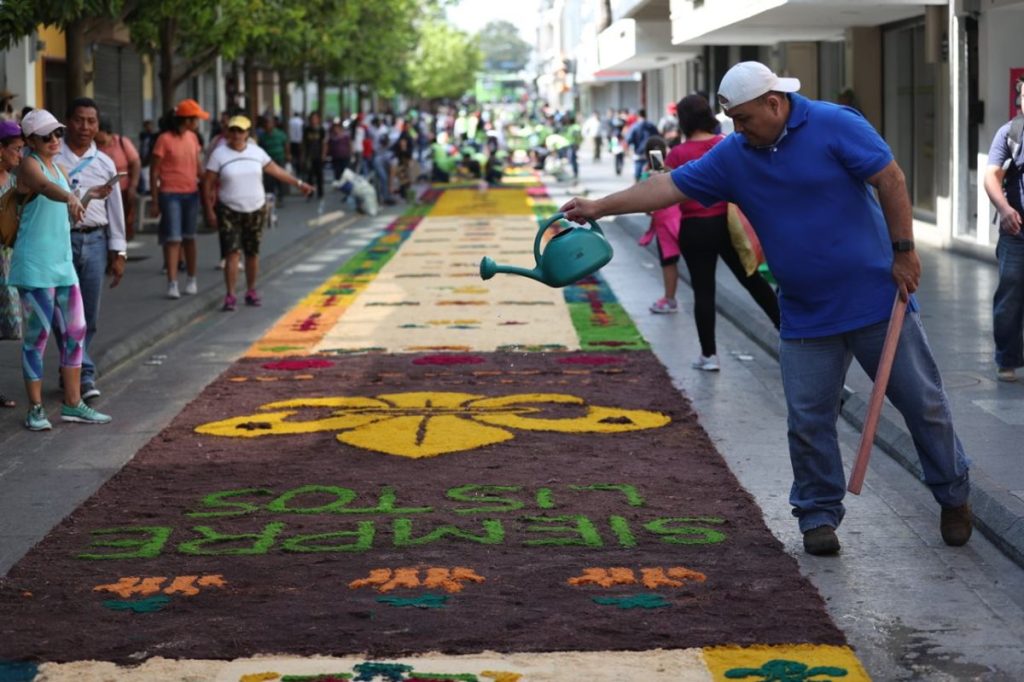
{"x": 115, "y": 356}
{"x": 998, "y": 514}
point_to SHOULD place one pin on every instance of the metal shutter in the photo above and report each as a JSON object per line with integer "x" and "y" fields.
{"x": 107, "y": 83}
{"x": 117, "y": 88}
{"x": 131, "y": 94}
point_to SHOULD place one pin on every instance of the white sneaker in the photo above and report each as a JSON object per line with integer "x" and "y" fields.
{"x": 191, "y": 288}
{"x": 1006, "y": 374}
{"x": 172, "y": 290}
{"x": 708, "y": 363}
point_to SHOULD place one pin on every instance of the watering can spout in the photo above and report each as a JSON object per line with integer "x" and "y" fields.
{"x": 488, "y": 269}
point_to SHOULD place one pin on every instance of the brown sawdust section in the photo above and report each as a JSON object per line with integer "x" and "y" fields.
{"x": 301, "y": 604}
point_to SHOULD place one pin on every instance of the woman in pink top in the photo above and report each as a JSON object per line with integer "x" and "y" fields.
{"x": 174, "y": 182}
{"x": 126, "y": 159}
{"x": 704, "y": 234}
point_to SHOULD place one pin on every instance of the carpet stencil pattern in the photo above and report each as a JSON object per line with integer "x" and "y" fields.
{"x": 418, "y": 475}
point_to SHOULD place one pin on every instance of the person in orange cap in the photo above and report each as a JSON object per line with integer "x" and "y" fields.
{"x": 174, "y": 183}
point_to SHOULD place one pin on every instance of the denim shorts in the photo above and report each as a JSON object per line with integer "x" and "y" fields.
{"x": 179, "y": 216}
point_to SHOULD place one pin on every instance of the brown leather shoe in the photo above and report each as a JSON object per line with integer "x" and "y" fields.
{"x": 955, "y": 524}
{"x": 821, "y": 541}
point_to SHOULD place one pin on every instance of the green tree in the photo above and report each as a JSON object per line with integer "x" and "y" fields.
{"x": 189, "y": 35}
{"x": 19, "y": 18}
{"x": 444, "y": 63}
{"x": 503, "y": 49}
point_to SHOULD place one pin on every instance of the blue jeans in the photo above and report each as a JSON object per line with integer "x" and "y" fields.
{"x": 382, "y": 169}
{"x": 1008, "y": 303}
{"x": 638, "y": 166}
{"x": 813, "y": 372}
{"x": 574, "y": 161}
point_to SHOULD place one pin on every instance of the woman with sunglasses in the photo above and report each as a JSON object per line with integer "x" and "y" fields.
{"x": 11, "y": 144}
{"x": 42, "y": 270}
{"x": 235, "y": 203}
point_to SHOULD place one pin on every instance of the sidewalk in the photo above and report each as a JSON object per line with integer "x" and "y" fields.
{"x": 137, "y": 314}
{"x": 956, "y": 308}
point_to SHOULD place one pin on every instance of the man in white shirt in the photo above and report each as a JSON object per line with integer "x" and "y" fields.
{"x": 98, "y": 242}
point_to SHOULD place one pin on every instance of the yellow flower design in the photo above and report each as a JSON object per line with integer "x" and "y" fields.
{"x": 428, "y": 424}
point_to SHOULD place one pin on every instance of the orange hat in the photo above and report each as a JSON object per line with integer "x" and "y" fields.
{"x": 189, "y": 108}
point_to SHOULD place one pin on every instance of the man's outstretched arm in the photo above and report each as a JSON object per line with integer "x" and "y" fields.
{"x": 658, "y": 191}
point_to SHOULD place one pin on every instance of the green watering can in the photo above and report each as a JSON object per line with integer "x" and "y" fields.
{"x": 570, "y": 256}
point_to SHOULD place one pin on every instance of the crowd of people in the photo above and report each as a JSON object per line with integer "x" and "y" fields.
{"x": 69, "y": 192}
{"x": 76, "y": 187}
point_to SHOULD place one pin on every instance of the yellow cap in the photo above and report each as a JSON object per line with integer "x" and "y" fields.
{"x": 239, "y": 122}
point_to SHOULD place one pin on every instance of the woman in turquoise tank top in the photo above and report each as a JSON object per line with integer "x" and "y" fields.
{"x": 42, "y": 270}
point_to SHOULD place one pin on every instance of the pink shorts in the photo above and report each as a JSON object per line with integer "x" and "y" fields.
{"x": 664, "y": 226}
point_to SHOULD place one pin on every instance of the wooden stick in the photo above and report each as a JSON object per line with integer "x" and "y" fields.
{"x": 867, "y": 438}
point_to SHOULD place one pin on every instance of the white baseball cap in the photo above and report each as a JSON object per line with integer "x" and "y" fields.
{"x": 39, "y": 122}
{"x": 749, "y": 80}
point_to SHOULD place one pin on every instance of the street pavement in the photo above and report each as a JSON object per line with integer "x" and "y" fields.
{"x": 911, "y": 607}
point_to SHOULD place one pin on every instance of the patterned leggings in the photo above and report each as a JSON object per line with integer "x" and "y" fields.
{"x": 43, "y": 310}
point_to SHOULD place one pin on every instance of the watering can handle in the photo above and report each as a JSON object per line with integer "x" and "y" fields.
{"x": 551, "y": 221}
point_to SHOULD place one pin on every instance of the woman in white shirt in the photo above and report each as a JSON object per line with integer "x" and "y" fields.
{"x": 235, "y": 203}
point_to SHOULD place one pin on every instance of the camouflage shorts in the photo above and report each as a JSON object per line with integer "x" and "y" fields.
{"x": 240, "y": 231}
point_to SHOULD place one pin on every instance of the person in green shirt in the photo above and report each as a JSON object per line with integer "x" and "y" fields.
{"x": 574, "y": 133}
{"x": 444, "y": 162}
{"x": 275, "y": 142}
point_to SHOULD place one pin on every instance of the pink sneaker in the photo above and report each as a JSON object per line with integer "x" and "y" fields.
{"x": 229, "y": 303}
{"x": 252, "y": 298}
{"x": 665, "y": 306}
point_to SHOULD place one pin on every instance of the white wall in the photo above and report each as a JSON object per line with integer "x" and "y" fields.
{"x": 20, "y": 73}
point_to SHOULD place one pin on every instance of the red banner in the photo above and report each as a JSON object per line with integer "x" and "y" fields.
{"x": 1015, "y": 73}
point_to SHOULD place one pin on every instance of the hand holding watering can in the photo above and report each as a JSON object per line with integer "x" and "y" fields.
{"x": 571, "y": 255}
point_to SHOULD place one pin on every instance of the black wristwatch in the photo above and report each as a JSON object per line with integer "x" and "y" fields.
{"x": 903, "y": 245}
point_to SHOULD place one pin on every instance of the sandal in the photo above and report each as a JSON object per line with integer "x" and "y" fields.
{"x": 6, "y": 402}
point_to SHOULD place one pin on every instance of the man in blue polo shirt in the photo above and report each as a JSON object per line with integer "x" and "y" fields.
{"x": 803, "y": 171}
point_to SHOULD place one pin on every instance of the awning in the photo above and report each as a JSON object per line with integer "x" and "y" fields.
{"x": 588, "y": 66}
{"x": 634, "y": 45}
{"x": 767, "y": 22}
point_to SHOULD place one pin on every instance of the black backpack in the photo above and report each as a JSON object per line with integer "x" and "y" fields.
{"x": 1013, "y": 141}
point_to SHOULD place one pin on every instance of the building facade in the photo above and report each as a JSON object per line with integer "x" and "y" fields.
{"x": 933, "y": 76}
